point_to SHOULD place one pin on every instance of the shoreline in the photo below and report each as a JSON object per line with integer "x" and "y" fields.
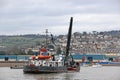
{"x": 12, "y": 63}
{"x": 22, "y": 63}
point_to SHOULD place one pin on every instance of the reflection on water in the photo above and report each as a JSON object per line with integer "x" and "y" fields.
{"x": 86, "y": 73}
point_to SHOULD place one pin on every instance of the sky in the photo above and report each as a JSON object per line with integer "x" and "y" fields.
{"x": 18, "y": 17}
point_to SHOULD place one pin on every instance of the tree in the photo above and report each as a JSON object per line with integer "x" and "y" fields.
{"x": 84, "y": 33}
{"x": 2, "y": 52}
{"x": 30, "y": 52}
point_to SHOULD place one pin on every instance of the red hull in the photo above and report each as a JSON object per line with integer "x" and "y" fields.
{"x": 72, "y": 69}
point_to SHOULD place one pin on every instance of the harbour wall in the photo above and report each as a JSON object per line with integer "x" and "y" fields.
{"x": 11, "y": 63}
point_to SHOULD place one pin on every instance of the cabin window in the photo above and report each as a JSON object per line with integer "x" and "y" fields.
{"x": 50, "y": 65}
{"x": 56, "y": 63}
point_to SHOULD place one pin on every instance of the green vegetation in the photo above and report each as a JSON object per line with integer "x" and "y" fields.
{"x": 18, "y": 44}
{"x": 21, "y": 41}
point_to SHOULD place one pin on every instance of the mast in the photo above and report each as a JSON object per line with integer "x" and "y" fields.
{"x": 69, "y": 39}
{"x": 46, "y": 37}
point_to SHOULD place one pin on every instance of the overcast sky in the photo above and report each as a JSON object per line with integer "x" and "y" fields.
{"x": 34, "y": 16}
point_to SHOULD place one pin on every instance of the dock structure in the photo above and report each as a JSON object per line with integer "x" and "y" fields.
{"x": 11, "y": 63}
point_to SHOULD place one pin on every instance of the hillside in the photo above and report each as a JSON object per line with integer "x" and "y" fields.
{"x": 37, "y": 39}
{"x": 16, "y": 43}
{"x": 21, "y": 40}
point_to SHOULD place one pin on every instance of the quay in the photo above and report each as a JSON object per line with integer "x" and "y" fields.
{"x": 22, "y": 63}
{"x": 20, "y": 60}
{"x": 11, "y": 63}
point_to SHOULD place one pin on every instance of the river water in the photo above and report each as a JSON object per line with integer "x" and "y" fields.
{"x": 86, "y": 73}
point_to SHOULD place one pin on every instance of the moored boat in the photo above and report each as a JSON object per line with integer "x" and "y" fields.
{"x": 97, "y": 65}
{"x": 45, "y": 66}
{"x": 108, "y": 63}
{"x": 47, "y": 62}
{"x": 16, "y": 67}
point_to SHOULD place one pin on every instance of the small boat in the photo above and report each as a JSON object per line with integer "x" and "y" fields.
{"x": 108, "y": 63}
{"x": 85, "y": 64}
{"x": 97, "y": 65}
{"x": 16, "y": 67}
